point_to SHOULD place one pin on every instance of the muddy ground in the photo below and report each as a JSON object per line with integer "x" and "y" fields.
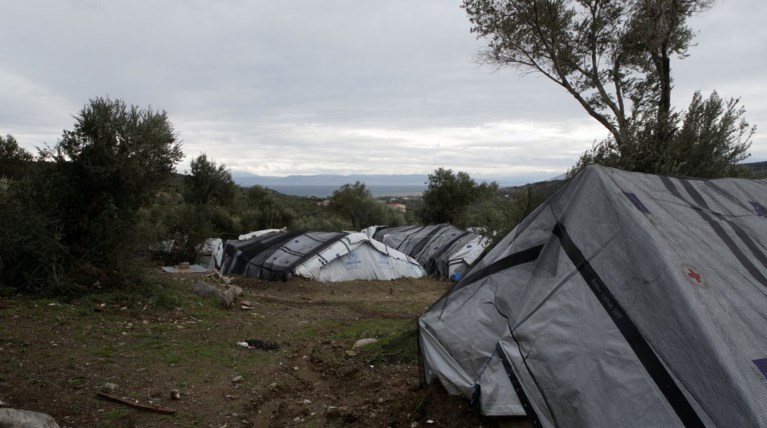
{"x": 56, "y": 357}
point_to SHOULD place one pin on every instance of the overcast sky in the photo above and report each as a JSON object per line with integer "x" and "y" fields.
{"x": 336, "y": 86}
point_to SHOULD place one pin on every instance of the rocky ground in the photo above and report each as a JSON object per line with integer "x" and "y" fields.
{"x": 57, "y": 357}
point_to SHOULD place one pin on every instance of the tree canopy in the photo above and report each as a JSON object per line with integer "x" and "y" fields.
{"x": 111, "y": 164}
{"x": 449, "y": 195}
{"x": 614, "y": 58}
{"x": 209, "y": 182}
{"x": 13, "y": 158}
{"x": 355, "y": 203}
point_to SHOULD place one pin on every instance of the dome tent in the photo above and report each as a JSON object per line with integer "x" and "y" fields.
{"x": 442, "y": 249}
{"x": 324, "y": 256}
{"x": 625, "y": 299}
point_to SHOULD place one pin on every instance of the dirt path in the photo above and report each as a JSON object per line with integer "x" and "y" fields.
{"x": 55, "y": 357}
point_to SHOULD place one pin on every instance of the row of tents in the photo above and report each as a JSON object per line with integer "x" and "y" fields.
{"x": 377, "y": 253}
{"x": 625, "y": 299}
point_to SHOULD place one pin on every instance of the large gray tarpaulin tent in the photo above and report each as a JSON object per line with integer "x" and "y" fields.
{"x": 443, "y": 249}
{"x": 625, "y": 299}
{"x": 324, "y": 256}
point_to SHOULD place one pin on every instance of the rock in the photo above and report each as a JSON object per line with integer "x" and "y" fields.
{"x": 202, "y": 288}
{"x": 229, "y": 295}
{"x": 237, "y": 378}
{"x": 364, "y": 342}
{"x": 351, "y": 353}
{"x": 109, "y": 387}
{"x": 14, "y": 418}
{"x": 174, "y": 394}
{"x": 307, "y": 401}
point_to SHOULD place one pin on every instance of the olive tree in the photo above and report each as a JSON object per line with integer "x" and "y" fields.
{"x": 13, "y": 158}
{"x": 613, "y": 57}
{"x": 449, "y": 195}
{"x": 209, "y": 182}
{"x": 355, "y": 203}
{"x": 109, "y": 166}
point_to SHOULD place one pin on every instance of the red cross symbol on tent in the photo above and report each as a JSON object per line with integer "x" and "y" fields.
{"x": 695, "y": 276}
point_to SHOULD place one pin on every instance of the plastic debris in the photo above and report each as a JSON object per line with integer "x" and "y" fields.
{"x": 263, "y": 345}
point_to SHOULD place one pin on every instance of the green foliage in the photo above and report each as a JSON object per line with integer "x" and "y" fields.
{"x": 35, "y": 259}
{"x": 612, "y": 57}
{"x": 110, "y": 165}
{"x": 399, "y": 349}
{"x": 263, "y": 209}
{"x": 713, "y": 138}
{"x": 707, "y": 141}
{"x": 356, "y": 204}
{"x": 81, "y": 210}
{"x": 448, "y": 197}
{"x": 14, "y": 160}
{"x": 209, "y": 183}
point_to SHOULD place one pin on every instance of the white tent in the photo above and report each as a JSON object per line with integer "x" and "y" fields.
{"x": 442, "y": 249}
{"x": 210, "y": 253}
{"x": 324, "y": 256}
{"x": 625, "y": 299}
{"x": 258, "y": 233}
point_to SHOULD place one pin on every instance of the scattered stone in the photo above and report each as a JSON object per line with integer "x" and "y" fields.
{"x": 26, "y": 418}
{"x": 202, "y": 288}
{"x": 109, "y": 387}
{"x": 351, "y": 353}
{"x": 3, "y": 403}
{"x": 307, "y": 401}
{"x": 174, "y": 394}
{"x": 229, "y": 295}
{"x": 298, "y": 419}
{"x": 273, "y": 385}
{"x": 414, "y": 425}
{"x": 237, "y": 378}
{"x": 332, "y": 411}
{"x": 364, "y": 342}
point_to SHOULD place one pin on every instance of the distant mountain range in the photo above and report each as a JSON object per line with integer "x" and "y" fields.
{"x": 245, "y": 179}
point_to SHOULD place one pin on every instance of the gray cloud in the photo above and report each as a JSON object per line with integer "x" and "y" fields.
{"x": 340, "y": 86}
